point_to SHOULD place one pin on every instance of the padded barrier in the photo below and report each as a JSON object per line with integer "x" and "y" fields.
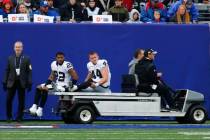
{"x": 183, "y": 52}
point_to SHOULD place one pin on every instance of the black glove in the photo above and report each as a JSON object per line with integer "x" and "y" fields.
{"x": 4, "y": 86}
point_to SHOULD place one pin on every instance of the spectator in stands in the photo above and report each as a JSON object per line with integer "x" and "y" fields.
{"x": 51, "y": 7}
{"x": 27, "y": 3}
{"x": 138, "y": 55}
{"x": 190, "y": 8}
{"x": 1, "y": 1}
{"x": 44, "y": 10}
{"x": 147, "y": 13}
{"x": 134, "y": 16}
{"x": 21, "y": 9}
{"x": 182, "y": 16}
{"x": 59, "y": 3}
{"x": 71, "y": 12}
{"x": 157, "y": 17}
{"x": 83, "y": 3}
{"x": 105, "y": 5}
{"x": 128, "y": 4}
{"x": 28, "y": 6}
{"x": 7, "y": 8}
{"x": 119, "y": 12}
{"x": 91, "y": 10}
{"x": 35, "y": 5}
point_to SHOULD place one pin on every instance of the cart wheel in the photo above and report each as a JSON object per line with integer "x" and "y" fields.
{"x": 197, "y": 114}
{"x": 84, "y": 115}
{"x": 67, "y": 118}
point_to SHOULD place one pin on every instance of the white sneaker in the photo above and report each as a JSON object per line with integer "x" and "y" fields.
{"x": 39, "y": 112}
{"x": 33, "y": 109}
{"x": 74, "y": 88}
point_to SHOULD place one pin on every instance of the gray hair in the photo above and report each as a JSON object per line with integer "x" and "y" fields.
{"x": 20, "y": 43}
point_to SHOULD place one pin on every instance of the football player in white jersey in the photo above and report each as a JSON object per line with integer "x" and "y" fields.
{"x": 62, "y": 74}
{"x": 98, "y": 78}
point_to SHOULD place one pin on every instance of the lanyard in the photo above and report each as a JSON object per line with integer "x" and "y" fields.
{"x": 20, "y": 61}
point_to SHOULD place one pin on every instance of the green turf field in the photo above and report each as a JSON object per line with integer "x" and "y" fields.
{"x": 104, "y": 134}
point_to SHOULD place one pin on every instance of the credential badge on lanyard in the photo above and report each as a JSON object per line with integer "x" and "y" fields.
{"x": 18, "y": 69}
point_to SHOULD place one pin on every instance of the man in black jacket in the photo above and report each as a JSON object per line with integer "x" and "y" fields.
{"x": 71, "y": 12}
{"x": 18, "y": 76}
{"x": 149, "y": 78}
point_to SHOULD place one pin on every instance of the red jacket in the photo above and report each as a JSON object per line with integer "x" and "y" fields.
{"x": 159, "y": 5}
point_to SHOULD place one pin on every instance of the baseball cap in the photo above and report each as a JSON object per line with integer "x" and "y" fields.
{"x": 149, "y": 51}
{"x": 43, "y": 3}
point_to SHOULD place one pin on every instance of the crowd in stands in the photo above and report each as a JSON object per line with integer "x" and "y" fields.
{"x": 153, "y": 11}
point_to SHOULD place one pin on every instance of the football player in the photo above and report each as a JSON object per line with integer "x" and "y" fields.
{"x": 62, "y": 74}
{"x": 98, "y": 78}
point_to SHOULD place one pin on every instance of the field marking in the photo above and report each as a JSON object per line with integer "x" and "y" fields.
{"x": 26, "y": 126}
{"x": 207, "y": 138}
{"x": 195, "y": 133}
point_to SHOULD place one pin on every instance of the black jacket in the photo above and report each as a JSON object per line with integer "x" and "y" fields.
{"x": 67, "y": 10}
{"x": 25, "y": 72}
{"x": 146, "y": 72}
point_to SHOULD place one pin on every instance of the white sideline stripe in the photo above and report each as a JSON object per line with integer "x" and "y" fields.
{"x": 208, "y": 138}
{"x": 35, "y": 127}
{"x": 195, "y": 133}
{"x": 25, "y": 126}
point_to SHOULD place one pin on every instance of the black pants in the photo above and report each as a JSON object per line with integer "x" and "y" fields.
{"x": 166, "y": 94}
{"x": 84, "y": 85}
{"x": 21, "y": 100}
{"x": 40, "y": 98}
{"x": 162, "y": 89}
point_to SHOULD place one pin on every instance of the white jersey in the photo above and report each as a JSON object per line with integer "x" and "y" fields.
{"x": 61, "y": 72}
{"x": 96, "y": 71}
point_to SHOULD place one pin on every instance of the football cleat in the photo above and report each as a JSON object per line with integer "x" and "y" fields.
{"x": 74, "y": 88}
{"x": 39, "y": 112}
{"x": 33, "y": 109}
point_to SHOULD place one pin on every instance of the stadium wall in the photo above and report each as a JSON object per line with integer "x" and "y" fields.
{"x": 183, "y": 52}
